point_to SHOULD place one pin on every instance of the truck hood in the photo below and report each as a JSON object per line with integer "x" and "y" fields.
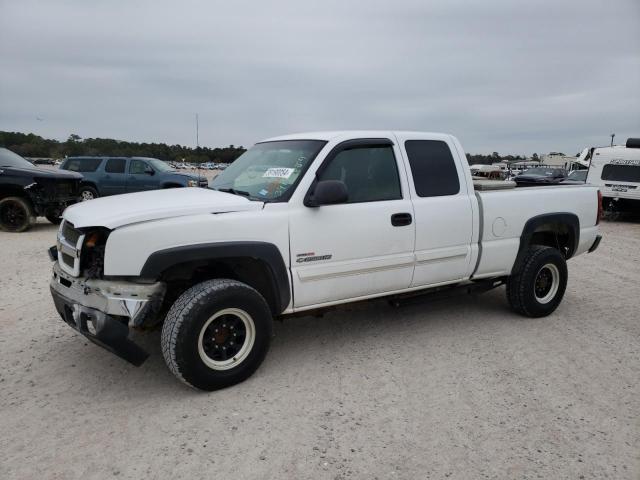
{"x": 119, "y": 210}
{"x": 37, "y": 172}
{"x": 193, "y": 176}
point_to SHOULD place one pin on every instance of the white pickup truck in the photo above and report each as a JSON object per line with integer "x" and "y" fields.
{"x": 300, "y": 223}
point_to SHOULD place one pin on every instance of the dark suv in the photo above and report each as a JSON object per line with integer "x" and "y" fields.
{"x": 114, "y": 175}
{"x": 27, "y": 191}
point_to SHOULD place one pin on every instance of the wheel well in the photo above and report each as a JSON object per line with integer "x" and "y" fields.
{"x": 254, "y": 272}
{"x": 557, "y": 235}
{"x": 13, "y": 191}
{"x": 556, "y": 230}
{"x": 89, "y": 184}
{"x": 172, "y": 185}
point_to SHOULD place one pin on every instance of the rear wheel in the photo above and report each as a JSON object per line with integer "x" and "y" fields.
{"x": 610, "y": 211}
{"x": 538, "y": 286}
{"x": 88, "y": 193}
{"x": 216, "y": 334}
{"x": 16, "y": 214}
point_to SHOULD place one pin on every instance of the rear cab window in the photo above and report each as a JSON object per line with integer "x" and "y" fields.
{"x": 433, "y": 168}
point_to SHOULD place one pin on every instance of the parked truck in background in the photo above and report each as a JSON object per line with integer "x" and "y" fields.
{"x": 616, "y": 171}
{"x": 103, "y": 176}
{"x": 28, "y": 191}
{"x": 303, "y": 222}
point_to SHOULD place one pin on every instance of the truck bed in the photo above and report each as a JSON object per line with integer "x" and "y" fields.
{"x": 504, "y": 213}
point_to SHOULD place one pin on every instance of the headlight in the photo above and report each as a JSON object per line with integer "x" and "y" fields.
{"x": 192, "y": 183}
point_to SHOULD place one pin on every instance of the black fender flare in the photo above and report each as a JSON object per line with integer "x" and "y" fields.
{"x": 560, "y": 218}
{"x": 160, "y": 261}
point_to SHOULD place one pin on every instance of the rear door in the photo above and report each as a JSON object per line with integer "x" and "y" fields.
{"x": 361, "y": 247}
{"x": 442, "y": 208}
{"x": 142, "y": 176}
{"x": 114, "y": 178}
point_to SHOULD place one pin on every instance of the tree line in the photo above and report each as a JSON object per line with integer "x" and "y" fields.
{"x": 31, "y": 145}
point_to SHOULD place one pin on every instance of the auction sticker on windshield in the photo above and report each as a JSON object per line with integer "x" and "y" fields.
{"x": 278, "y": 173}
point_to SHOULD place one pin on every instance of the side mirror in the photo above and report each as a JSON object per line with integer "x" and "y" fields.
{"x": 328, "y": 192}
{"x": 149, "y": 171}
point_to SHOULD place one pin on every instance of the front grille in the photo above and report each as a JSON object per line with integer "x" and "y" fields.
{"x": 65, "y": 189}
{"x": 68, "y": 259}
{"x": 69, "y": 246}
{"x": 70, "y": 233}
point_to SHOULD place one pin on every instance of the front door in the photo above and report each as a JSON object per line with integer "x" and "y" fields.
{"x": 361, "y": 247}
{"x": 141, "y": 176}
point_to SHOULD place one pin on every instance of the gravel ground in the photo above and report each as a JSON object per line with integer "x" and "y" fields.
{"x": 457, "y": 388}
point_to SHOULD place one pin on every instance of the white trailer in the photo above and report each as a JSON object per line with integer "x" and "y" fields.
{"x": 616, "y": 170}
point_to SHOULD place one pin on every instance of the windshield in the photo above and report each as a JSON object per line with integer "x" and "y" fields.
{"x": 580, "y": 175}
{"x": 160, "y": 165}
{"x": 269, "y": 171}
{"x": 10, "y": 159}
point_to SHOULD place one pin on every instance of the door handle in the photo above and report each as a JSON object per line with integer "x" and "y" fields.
{"x": 401, "y": 219}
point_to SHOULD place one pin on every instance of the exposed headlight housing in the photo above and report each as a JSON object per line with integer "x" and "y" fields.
{"x": 192, "y": 183}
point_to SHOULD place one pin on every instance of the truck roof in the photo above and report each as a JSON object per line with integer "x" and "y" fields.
{"x": 329, "y": 135}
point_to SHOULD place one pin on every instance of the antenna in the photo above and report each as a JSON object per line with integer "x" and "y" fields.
{"x": 198, "y": 144}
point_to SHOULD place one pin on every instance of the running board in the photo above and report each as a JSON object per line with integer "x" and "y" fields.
{"x": 440, "y": 293}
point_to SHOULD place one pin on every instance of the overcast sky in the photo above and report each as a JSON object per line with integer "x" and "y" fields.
{"x": 510, "y": 76}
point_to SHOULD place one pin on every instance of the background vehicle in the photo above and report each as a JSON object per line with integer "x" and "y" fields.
{"x": 616, "y": 170}
{"x": 103, "y": 176}
{"x": 490, "y": 172}
{"x": 27, "y": 191}
{"x": 540, "y": 176}
{"x": 303, "y": 222}
{"x": 575, "y": 177}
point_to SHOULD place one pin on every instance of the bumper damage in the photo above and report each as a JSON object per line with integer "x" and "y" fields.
{"x": 103, "y": 311}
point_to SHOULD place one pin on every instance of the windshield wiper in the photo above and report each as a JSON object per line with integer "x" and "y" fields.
{"x": 234, "y": 191}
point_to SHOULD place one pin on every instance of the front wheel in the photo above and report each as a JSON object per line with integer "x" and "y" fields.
{"x": 216, "y": 334}
{"x": 88, "y": 193}
{"x": 538, "y": 286}
{"x": 16, "y": 214}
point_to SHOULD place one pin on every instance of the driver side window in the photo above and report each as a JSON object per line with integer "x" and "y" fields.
{"x": 138, "y": 167}
{"x": 370, "y": 173}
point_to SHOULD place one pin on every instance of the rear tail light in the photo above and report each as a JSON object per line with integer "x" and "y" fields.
{"x": 599, "y": 207}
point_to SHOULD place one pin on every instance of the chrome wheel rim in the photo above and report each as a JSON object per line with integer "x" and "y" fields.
{"x": 87, "y": 195}
{"x": 226, "y": 339}
{"x": 546, "y": 283}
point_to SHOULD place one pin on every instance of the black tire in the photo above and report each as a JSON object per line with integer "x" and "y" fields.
{"x": 16, "y": 214}
{"x": 54, "y": 217}
{"x": 88, "y": 193}
{"x": 185, "y": 353}
{"x": 610, "y": 212}
{"x": 537, "y": 287}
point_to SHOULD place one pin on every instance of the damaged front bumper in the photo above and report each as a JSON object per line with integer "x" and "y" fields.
{"x": 104, "y": 310}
